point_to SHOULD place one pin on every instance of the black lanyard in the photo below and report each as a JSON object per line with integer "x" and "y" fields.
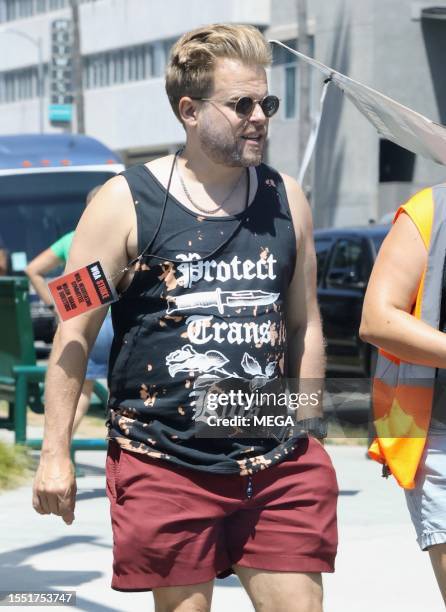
{"x": 166, "y": 197}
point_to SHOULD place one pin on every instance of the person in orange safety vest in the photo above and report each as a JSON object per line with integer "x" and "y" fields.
{"x": 404, "y": 315}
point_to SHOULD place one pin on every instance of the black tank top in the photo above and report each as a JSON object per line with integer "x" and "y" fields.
{"x": 200, "y": 320}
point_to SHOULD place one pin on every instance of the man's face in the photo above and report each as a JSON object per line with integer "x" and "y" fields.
{"x": 224, "y": 136}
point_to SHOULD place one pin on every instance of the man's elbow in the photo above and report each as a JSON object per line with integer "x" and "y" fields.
{"x": 370, "y": 328}
{"x": 365, "y": 333}
{"x": 32, "y": 274}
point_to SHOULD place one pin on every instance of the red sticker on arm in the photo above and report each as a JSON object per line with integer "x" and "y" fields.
{"x": 81, "y": 291}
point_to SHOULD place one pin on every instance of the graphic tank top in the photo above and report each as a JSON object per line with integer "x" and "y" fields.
{"x": 194, "y": 316}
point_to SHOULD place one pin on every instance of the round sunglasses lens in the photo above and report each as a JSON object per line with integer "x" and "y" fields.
{"x": 270, "y": 105}
{"x": 244, "y": 106}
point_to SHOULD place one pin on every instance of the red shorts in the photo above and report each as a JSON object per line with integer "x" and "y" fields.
{"x": 175, "y": 526}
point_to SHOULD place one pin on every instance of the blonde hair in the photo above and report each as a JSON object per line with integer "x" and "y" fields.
{"x": 192, "y": 58}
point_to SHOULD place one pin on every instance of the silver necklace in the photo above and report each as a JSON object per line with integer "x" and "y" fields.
{"x": 194, "y": 204}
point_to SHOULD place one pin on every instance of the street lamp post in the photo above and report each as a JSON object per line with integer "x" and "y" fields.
{"x": 37, "y": 42}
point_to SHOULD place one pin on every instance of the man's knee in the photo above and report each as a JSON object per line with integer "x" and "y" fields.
{"x": 305, "y": 602}
{"x": 282, "y": 591}
{"x": 194, "y": 598}
{"x": 437, "y": 554}
{"x": 183, "y": 606}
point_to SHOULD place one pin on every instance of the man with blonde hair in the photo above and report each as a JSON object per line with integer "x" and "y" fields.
{"x": 220, "y": 294}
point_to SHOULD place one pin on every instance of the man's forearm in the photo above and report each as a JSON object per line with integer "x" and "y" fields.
{"x": 65, "y": 376}
{"x": 39, "y": 284}
{"x": 404, "y": 336}
{"x": 3, "y": 262}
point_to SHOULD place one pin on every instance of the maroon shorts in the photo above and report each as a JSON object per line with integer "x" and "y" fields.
{"x": 175, "y": 526}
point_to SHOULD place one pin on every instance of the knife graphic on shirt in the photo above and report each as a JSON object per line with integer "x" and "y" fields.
{"x": 220, "y": 299}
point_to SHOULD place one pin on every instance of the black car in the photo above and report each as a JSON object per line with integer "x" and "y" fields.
{"x": 345, "y": 259}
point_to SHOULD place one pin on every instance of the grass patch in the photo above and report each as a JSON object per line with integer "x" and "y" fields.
{"x": 15, "y": 465}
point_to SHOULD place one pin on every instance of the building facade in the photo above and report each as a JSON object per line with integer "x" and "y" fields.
{"x": 391, "y": 45}
{"x": 125, "y": 44}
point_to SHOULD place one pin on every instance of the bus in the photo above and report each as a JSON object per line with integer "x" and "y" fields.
{"x": 44, "y": 180}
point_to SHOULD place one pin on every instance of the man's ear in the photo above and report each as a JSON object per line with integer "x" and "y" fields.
{"x": 188, "y": 111}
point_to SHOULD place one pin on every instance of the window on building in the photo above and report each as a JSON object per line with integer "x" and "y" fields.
{"x": 132, "y": 58}
{"x": 287, "y": 62}
{"x": 54, "y": 5}
{"x": 40, "y": 6}
{"x": 20, "y": 9}
{"x": 125, "y": 66}
{"x": 288, "y": 65}
{"x": 168, "y": 44}
{"x": 16, "y": 85}
{"x": 148, "y": 61}
{"x": 395, "y": 163}
{"x": 119, "y": 66}
{"x": 25, "y": 8}
{"x": 139, "y": 64}
{"x": 158, "y": 59}
{"x": 103, "y": 80}
{"x": 12, "y": 10}
{"x": 135, "y": 63}
{"x": 281, "y": 56}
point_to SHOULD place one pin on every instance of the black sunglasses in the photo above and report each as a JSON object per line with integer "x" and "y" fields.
{"x": 245, "y": 105}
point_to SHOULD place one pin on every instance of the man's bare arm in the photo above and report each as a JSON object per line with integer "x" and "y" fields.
{"x": 305, "y": 338}
{"x": 391, "y": 293}
{"x": 3, "y": 262}
{"x": 38, "y": 268}
{"x": 102, "y": 234}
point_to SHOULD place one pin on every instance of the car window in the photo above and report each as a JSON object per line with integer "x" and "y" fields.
{"x": 39, "y": 208}
{"x": 322, "y": 246}
{"x": 349, "y": 264}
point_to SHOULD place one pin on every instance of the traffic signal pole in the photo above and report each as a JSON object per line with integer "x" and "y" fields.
{"x": 78, "y": 89}
{"x": 304, "y": 85}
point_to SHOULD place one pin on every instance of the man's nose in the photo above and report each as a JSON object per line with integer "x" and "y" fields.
{"x": 257, "y": 115}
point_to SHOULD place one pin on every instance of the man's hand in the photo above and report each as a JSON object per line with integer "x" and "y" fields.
{"x": 54, "y": 489}
{"x": 3, "y": 262}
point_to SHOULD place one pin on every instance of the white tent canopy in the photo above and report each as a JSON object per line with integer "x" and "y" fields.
{"x": 393, "y": 121}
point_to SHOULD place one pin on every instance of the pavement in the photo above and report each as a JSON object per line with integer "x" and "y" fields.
{"x": 379, "y": 565}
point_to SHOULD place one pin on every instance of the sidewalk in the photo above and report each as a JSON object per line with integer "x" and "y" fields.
{"x": 379, "y": 564}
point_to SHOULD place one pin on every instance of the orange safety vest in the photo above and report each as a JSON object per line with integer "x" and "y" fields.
{"x": 403, "y": 392}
